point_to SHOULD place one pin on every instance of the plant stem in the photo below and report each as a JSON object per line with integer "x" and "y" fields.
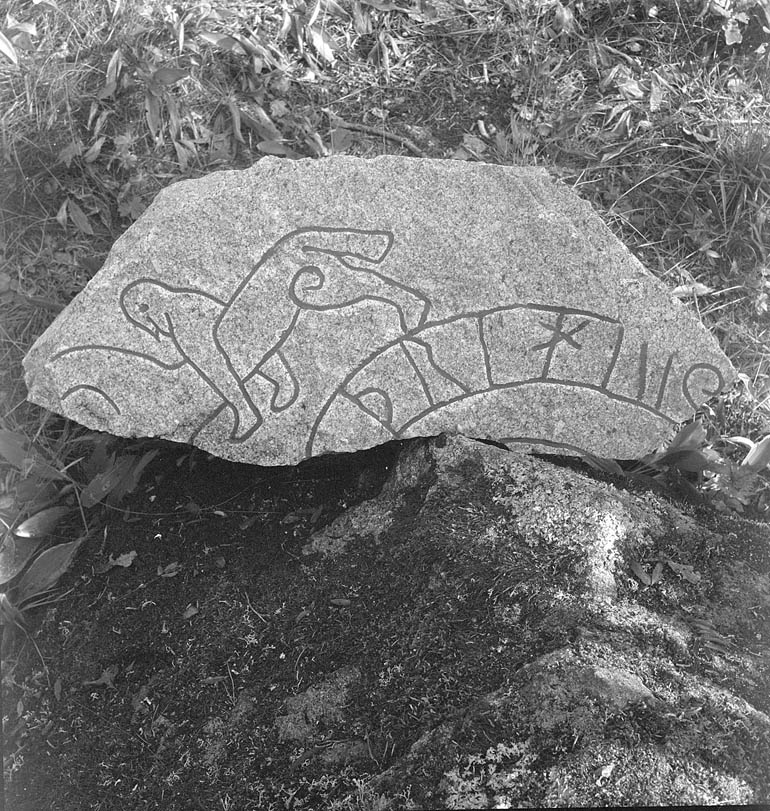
{"x": 2, "y": 727}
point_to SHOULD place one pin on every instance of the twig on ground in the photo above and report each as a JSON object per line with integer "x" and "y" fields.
{"x": 391, "y": 136}
{"x": 378, "y": 131}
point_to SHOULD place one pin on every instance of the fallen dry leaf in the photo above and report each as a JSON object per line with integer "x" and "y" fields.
{"x": 107, "y": 679}
{"x": 124, "y": 560}
{"x": 685, "y": 570}
{"x": 691, "y": 290}
{"x": 641, "y": 572}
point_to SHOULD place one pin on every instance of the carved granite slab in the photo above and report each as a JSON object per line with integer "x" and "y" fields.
{"x": 301, "y": 307}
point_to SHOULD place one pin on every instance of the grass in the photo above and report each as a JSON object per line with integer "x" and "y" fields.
{"x": 656, "y": 114}
{"x": 645, "y": 109}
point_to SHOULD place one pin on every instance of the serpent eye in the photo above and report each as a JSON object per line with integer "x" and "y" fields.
{"x": 310, "y": 277}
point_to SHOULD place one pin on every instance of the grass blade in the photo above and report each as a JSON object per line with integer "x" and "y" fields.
{"x": 46, "y": 571}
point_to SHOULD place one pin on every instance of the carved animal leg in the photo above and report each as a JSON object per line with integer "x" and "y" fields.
{"x": 278, "y": 373}
{"x": 225, "y": 381}
{"x": 412, "y": 308}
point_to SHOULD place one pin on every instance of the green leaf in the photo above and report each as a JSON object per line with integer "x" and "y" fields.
{"x": 169, "y": 75}
{"x": 40, "y": 469}
{"x": 690, "y": 460}
{"x": 14, "y": 555}
{"x": 120, "y": 477}
{"x": 604, "y": 465}
{"x": 13, "y": 448}
{"x": 641, "y": 572}
{"x": 9, "y": 614}
{"x": 23, "y": 28}
{"x": 323, "y": 44}
{"x": 34, "y": 490}
{"x": 79, "y": 218}
{"x": 275, "y": 148}
{"x": 222, "y": 41}
{"x": 93, "y": 152}
{"x": 41, "y": 524}
{"x": 235, "y": 115}
{"x": 107, "y": 679}
{"x": 691, "y": 437}
{"x": 61, "y": 214}
{"x": 152, "y": 113}
{"x": 124, "y": 560}
{"x": 6, "y": 48}
{"x": 341, "y": 139}
{"x": 759, "y": 456}
{"x": 129, "y": 482}
{"x": 104, "y": 483}
{"x": 259, "y": 122}
{"x": 46, "y": 570}
{"x": 685, "y": 570}
{"x": 733, "y": 34}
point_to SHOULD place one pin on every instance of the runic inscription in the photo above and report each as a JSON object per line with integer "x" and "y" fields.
{"x": 305, "y": 307}
{"x": 524, "y": 350}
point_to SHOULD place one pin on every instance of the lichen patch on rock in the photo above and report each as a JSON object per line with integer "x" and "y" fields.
{"x": 460, "y": 655}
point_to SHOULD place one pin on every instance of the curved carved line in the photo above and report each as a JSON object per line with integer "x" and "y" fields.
{"x": 172, "y": 289}
{"x": 271, "y": 252}
{"x": 479, "y": 315}
{"x": 413, "y": 339}
{"x": 147, "y": 280}
{"x": 294, "y": 386}
{"x": 255, "y": 371}
{"x": 226, "y": 400}
{"x": 168, "y": 366}
{"x": 234, "y": 440}
{"x": 557, "y": 309}
{"x": 274, "y": 349}
{"x": 389, "y": 236}
{"x": 387, "y": 424}
{"x": 99, "y": 391}
{"x": 248, "y": 278}
{"x": 414, "y": 291}
{"x": 206, "y": 420}
{"x": 553, "y": 382}
{"x": 322, "y": 308}
{"x": 549, "y": 381}
{"x": 688, "y": 374}
{"x": 307, "y": 270}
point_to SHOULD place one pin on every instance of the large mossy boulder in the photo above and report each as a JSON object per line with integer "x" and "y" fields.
{"x": 487, "y": 630}
{"x": 552, "y": 669}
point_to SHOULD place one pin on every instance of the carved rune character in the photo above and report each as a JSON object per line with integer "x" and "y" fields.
{"x": 560, "y": 335}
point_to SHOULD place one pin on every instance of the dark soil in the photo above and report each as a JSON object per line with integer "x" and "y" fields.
{"x": 121, "y": 667}
{"x": 470, "y": 643}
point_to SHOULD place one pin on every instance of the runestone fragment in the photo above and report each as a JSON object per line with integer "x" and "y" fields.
{"x": 312, "y": 306}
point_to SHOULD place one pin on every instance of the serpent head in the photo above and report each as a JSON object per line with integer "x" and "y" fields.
{"x": 144, "y": 304}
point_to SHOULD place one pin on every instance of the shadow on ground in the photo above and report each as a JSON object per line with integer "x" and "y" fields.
{"x": 435, "y": 623}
